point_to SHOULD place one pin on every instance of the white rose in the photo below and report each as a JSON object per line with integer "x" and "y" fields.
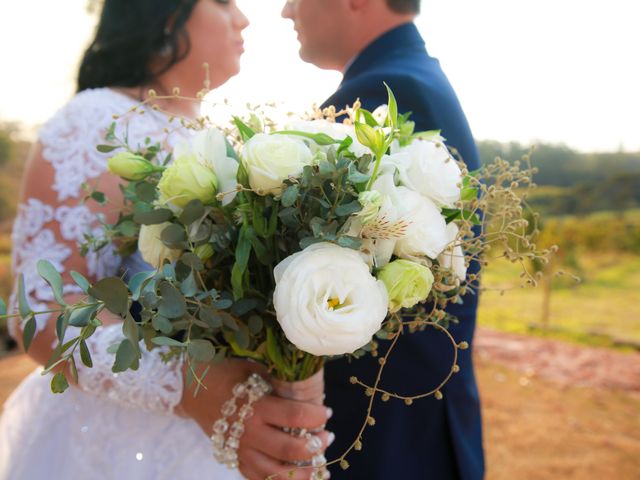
{"x": 426, "y": 233}
{"x": 428, "y": 168}
{"x": 210, "y": 149}
{"x": 453, "y": 257}
{"x": 326, "y": 300}
{"x": 153, "y": 251}
{"x": 271, "y": 159}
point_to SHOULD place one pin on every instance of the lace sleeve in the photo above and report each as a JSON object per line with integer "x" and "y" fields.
{"x": 51, "y": 221}
{"x": 156, "y": 386}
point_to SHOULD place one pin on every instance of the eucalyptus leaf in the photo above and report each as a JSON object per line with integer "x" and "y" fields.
{"x": 47, "y": 271}
{"x": 202, "y": 351}
{"x": 126, "y": 357}
{"x": 255, "y": 324}
{"x": 81, "y": 281}
{"x": 3, "y": 307}
{"x": 114, "y": 293}
{"x": 174, "y": 236}
{"x": 85, "y": 355}
{"x": 167, "y": 342}
{"x": 106, "y": 148}
{"x": 59, "y": 383}
{"x": 223, "y": 303}
{"x": 356, "y": 176}
{"x": 193, "y": 211}
{"x": 23, "y": 305}
{"x": 162, "y": 324}
{"x": 289, "y": 196}
{"x": 28, "y": 332}
{"x": 350, "y": 242}
{"x": 146, "y": 192}
{"x": 245, "y": 305}
{"x": 210, "y": 317}
{"x": 137, "y": 281}
{"x": 349, "y": 208}
{"x": 188, "y": 286}
{"x": 242, "y": 338}
{"x": 172, "y": 304}
{"x": 154, "y": 217}
{"x": 79, "y": 317}
{"x": 192, "y": 260}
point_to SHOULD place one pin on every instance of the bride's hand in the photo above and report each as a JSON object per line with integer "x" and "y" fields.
{"x": 264, "y": 448}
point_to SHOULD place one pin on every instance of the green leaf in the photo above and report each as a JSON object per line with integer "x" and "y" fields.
{"x": 369, "y": 119}
{"x": 81, "y": 281}
{"x": 193, "y": 211}
{"x": 392, "y": 104}
{"x": 242, "y": 339}
{"x": 174, "y": 236}
{"x": 202, "y": 351}
{"x": 172, "y": 304}
{"x": 192, "y": 260}
{"x": 99, "y": 197}
{"x": 245, "y": 131}
{"x": 223, "y": 303}
{"x": 162, "y": 324}
{"x": 321, "y": 139}
{"x": 23, "y": 305}
{"x": 229, "y": 321}
{"x": 130, "y": 331}
{"x": 154, "y": 217}
{"x": 61, "y": 325}
{"x": 355, "y": 176}
{"x": 210, "y": 317}
{"x": 188, "y": 286}
{"x": 167, "y": 342}
{"x": 350, "y": 242}
{"x": 146, "y": 192}
{"x": 80, "y": 317}
{"x": 244, "y": 306}
{"x": 3, "y": 307}
{"x": 28, "y": 333}
{"x": 349, "y": 208}
{"x": 243, "y": 249}
{"x": 273, "y": 351}
{"x": 126, "y": 357}
{"x": 106, "y": 148}
{"x": 468, "y": 194}
{"x": 59, "y": 383}
{"x": 289, "y": 196}
{"x": 452, "y": 214}
{"x": 114, "y": 293}
{"x": 137, "y": 283}
{"x": 345, "y": 144}
{"x": 85, "y": 355}
{"x": 255, "y": 324}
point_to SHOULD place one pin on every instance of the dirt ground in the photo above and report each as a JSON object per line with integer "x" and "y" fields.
{"x": 551, "y": 410}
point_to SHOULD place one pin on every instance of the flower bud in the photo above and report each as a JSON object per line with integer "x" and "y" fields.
{"x": 407, "y": 283}
{"x": 130, "y": 166}
{"x": 204, "y": 252}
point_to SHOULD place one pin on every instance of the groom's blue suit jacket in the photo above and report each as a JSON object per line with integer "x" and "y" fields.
{"x": 431, "y": 439}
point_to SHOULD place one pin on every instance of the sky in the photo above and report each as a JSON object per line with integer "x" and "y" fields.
{"x": 560, "y": 71}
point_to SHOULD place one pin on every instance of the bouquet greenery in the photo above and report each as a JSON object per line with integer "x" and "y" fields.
{"x": 289, "y": 246}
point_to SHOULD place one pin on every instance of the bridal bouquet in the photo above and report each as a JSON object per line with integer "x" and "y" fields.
{"x": 289, "y": 245}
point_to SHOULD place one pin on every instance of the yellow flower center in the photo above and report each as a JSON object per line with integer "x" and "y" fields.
{"x": 332, "y": 303}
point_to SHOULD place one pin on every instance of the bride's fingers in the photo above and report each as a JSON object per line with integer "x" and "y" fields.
{"x": 255, "y": 465}
{"x": 282, "y": 446}
{"x": 281, "y": 412}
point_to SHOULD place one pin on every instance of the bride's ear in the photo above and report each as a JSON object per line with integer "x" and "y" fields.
{"x": 360, "y": 4}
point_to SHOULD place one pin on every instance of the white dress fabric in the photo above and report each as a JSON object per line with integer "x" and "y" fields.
{"x": 111, "y": 426}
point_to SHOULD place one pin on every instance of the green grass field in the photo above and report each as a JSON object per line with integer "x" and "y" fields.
{"x": 603, "y": 309}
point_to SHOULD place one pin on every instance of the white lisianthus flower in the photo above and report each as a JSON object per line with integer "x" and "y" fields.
{"x": 153, "y": 251}
{"x": 210, "y": 149}
{"x": 426, "y": 233}
{"x": 453, "y": 257}
{"x": 380, "y": 114}
{"x": 271, "y": 159}
{"x": 428, "y": 168}
{"x": 326, "y": 300}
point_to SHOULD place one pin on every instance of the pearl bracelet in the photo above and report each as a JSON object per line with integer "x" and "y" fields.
{"x": 225, "y": 450}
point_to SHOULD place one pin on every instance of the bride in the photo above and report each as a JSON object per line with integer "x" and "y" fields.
{"x": 144, "y": 424}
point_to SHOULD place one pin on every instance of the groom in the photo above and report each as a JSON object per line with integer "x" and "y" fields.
{"x": 371, "y": 42}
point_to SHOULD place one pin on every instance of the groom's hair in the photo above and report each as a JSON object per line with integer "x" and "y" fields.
{"x": 404, "y": 6}
{"x": 135, "y": 42}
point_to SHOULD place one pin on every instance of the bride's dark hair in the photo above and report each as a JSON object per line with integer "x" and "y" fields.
{"x": 130, "y": 34}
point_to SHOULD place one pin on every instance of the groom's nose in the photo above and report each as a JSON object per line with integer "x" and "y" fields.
{"x": 287, "y": 10}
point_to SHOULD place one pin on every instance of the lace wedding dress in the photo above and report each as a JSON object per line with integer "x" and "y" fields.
{"x": 110, "y": 426}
